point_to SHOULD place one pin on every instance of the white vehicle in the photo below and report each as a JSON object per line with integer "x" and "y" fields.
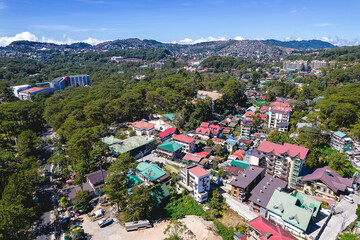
{"x": 349, "y": 199}
{"x": 350, "y": 190}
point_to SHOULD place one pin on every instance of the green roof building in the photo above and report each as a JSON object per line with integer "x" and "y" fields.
{"x": 150, "y": 172}
{"x": 159, "y": 194}
{"x": 133, "y": 180}
{"x": 170, "y": 149}
{"x": 239, "y": 164}
{"x": 294, "y": 213}
{"x": 134, "y": 145}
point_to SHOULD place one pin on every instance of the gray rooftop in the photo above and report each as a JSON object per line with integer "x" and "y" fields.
{"x": 262, "y": 193}
{"x": 246, "y": 177}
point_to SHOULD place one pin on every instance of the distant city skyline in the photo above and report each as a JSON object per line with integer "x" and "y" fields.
{"x": 95, "y": 21}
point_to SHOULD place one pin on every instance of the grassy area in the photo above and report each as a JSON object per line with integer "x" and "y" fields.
{"x": 172, "y": 168}
{"x": 182, "y": 205}
{"x": 231, "y": 219}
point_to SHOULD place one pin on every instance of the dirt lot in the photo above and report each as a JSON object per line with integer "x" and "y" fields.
{"x": 203, "y": 230}
{"x": 232, "y": 219}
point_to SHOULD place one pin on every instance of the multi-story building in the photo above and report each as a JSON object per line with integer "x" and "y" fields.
{"x": 317, "y": 64}
{"x": 143, "y": 128}
{"x": 187, "y": 142}
{"x": 327, "y": 183}
{"x": 246, "y": 125}
{"x": 167, "y": 134}
{"x": 242, "y": 185}
{"x": 292, "y": 212}
{"x": 17, "y": 89}
{"x": 28, "y": 94}
{"x": 170, "y": 149}
{"x": 279, "y": 116}
{"x": 283, "y": 161}
{"x": 340, "y": 141}
{"x": 75, "y": 80}
{"x": 197, "y": 181}
{"x": 299, "y": 65}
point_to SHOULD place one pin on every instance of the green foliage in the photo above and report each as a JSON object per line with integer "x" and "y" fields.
{"x": 182, "y": 205}
{"x": 225, "y": 233}
{"x": 340, "y": 163}
{"x": 216, "y": 204}
{"x": 349, "y": 236}
{"x": 222, "y": 64}
{"x": 218, "y": 150}
{"x": 209, "y": 142}
{"x": 81, "y": 201}
{"x": 27, "y": 144}
{"x": 358, "y": 212}
{"x": 139, "y": 204}
{"x": 280, "y": 137}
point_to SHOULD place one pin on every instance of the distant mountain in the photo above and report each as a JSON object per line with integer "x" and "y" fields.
{"x": 240, "y": 49}
{"x": 301, "y": 45}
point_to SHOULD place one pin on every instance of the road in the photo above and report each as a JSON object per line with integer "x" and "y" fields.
{"x": 345, "y": 213}
{"x": 47, "y": 228}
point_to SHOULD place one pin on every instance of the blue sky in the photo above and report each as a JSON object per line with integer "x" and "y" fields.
{"x": 187, "y": 21}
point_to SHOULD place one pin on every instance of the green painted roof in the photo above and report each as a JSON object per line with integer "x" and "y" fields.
{"x": 126, "y": 145}
{"x": 159, "y": 192}
{"x": 294, "y": 209}
{"x": 239, "y": 164}
{"x": 339, "y": 134}
{"x": 237, "y": 116}
{"x": 133, "y": 180}
{"x": 170, "y": 146}
{"x": 170, "y": 116}
{"x": 150, "y": 171}
{"x": 111, "y": 140}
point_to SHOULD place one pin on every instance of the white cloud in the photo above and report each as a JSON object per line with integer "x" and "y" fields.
{"x": 323, "y": 24}
{"x": 2, "y": 5}
{"x": 339, "y": 41}
{"x": 200, "y": 40}
{"x": 4, "y": 41}
{"x": 239, "y": 38}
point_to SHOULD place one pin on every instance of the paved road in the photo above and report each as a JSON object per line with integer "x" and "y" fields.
{"x": 242, "y": 209}
{"x": 345, "y": 213}
{"x": 153, "y": 158}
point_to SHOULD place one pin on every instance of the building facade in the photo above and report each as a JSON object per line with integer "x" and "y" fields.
{"x": 187, "y": 142}
{"x": 75, "y": 80}
{"x": 340, "y": 141}
{"x": 196, "y": 180}
{"x": 283, "y": 161}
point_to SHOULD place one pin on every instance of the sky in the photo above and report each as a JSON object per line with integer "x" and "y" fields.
{"x": 187, "y": 21}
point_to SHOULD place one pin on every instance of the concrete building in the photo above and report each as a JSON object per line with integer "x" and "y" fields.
{"x": 196, "y": 180}
{"x": 299, "y": 65}
{"x": 29, "y": 94}
{"x": 187, "y": 142}
{"x": 340, "y": 141}
{"x": 279, "y": 116}
{"x": 283, "y": 161}
{"x": 143, "y": 128}
{"x": 17, "y": 89}
{"x": 245, "y": 182}
{"x": 167, "y": 134}
{"x": 75, "y": 80}
{"x": 261, "y": 194}
{"x": 151, "y": 173}
{"x": 261, "y": 229}
{"x": 170, "y": 149}
{"x": 96, "y": 179}
{"x": 246, "y": 125}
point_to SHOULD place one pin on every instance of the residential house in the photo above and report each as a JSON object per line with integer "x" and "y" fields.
{"x": 245, "y": 182}
{"x": 192, "y": 158}
{"x": 261, "y": 194}
{"x": 187, "y": 142}
{"x": 215, "y": 130}
{"x": 326, "y": 183}
{"x": 262, "y": 229}
{"x": 246, "y": 125}
{"x": 203, "y": 133}
{"x": 216, "y": 140}
{"x": 340, "y": 141}
{"x": 170, "y": 149}
{"x": 283, "y": 161}
{"x": 151, "y": 173}
{"x": 231, "y": 144}
{"x": 167, "y": 134}
{"x": 143, "y": 128}
{"x": 237, "y": 155}
{"x": 226, "y": 132}
{"x": 96, "y": 179}
{"x": 160, "y": 193}
{"x": 214, "y": 96}
{"x": 197, "y": 181}
{"x": 292, "y": 213}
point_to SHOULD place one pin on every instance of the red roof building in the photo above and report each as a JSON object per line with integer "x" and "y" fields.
{"x": 292, "y": 150}
{"x": 193, "y": 157}
{"x": 183, "y": 138}
{"x": 204, "y": 125}
{"x": 262, "y": 229}
{"x": 198, "y": 171}
{"x": 167, "y": 133}
{"x": 249, "y": 114}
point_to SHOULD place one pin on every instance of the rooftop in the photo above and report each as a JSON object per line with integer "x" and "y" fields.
{"x": 262, "y": 193}
{"x": 150, "y": 171}
{"x": 167, "y": 132}
{"x": 142, "y": 124}
{"x": 198, "y": 171}
{"x": 170, "y": 146}
{"x": 338, "y": 133}
{"x": 183, "y": 138}
{"x": 330, "y": 178}
{"x": 264, "y": 227}
{"x": 213, "y": 95}
{"x": 97, "y": 177}
{"x": 126, "y": 145}
{"x": 36, "y": 89}
{"x": 247, "y": 176}
{"x": 291, "y": 149}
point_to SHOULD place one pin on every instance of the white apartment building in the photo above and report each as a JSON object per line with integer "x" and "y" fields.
{"x": 196, "y": 180}
{"x": 279, "y": 117}
{"x": 187, "y": 142}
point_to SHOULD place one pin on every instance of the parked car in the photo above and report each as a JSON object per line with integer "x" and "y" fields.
{"x": 105, "y": 222}
{"x": 349, "y": 199}
{"x": 350, "y": 190}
